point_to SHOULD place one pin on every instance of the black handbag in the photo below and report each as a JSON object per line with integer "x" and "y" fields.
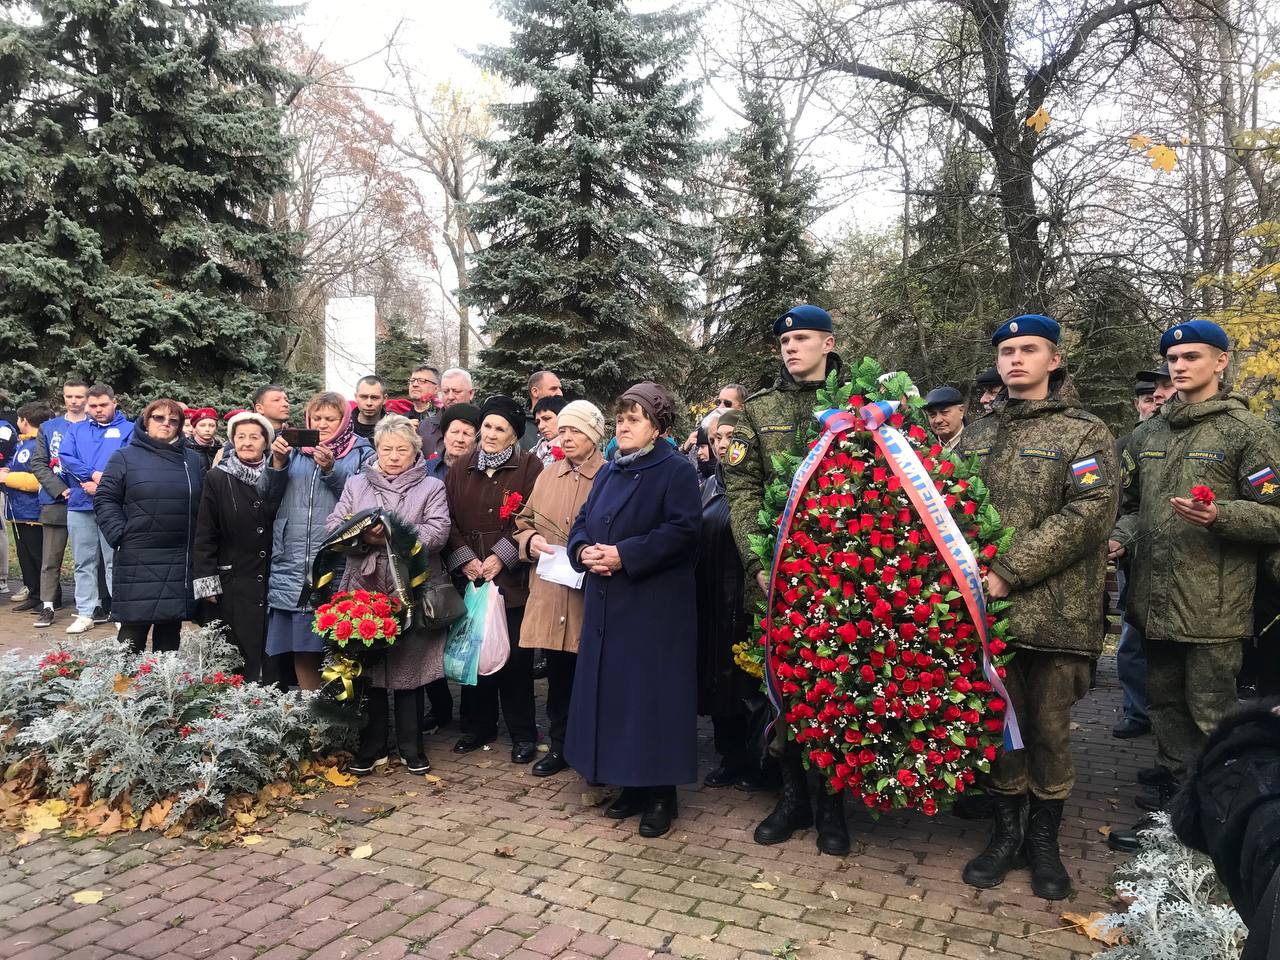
{"x": 440, "y": 606}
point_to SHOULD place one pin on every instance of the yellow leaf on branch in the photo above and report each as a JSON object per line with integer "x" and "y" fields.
{"x": 1038, "y": 120}
{"x": 1139, "y": 141}
{"x": 1162, "y": 158}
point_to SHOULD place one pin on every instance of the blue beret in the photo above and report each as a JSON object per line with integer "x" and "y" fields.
{"x": 1029, "y": 325}
{"x": 1195, "y": 331}
{"x": 940, "y": 397}
{"x": 804, "y": 317}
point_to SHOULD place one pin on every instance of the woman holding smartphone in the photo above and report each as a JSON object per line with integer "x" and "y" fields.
{"x": 303, "y": 485}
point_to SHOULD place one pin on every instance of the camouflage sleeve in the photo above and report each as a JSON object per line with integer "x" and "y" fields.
{"x": 1255, "y": 516}
{"x": 1126, "y": 526}
{"x": 1079, "y": 527}
{"x": 744, "y": 478}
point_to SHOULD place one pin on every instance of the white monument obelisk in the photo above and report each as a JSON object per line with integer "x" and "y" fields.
{"x": 350, "y": 336}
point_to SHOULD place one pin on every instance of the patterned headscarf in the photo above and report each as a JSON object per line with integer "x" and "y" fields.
{"x": 343, "y": 439}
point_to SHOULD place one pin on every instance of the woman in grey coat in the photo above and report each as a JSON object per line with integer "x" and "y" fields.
{"x": 396, "y": 483}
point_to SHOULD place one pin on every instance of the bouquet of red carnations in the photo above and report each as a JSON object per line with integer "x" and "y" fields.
{"x": 359, "y": 619}
{"x": 873, "y": 655}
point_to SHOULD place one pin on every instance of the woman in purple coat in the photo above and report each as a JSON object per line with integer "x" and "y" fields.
{"x": 633, "y": 717}
{"x": 397, "y": 483}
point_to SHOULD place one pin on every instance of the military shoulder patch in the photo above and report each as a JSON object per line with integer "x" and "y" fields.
{"x": 1087, "y": 473}
{"x": 976, "y": 451}
{"x": 1266, "y": 486}
{"x": 737, "y": 452}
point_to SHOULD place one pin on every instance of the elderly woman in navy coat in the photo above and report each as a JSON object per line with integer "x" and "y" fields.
{"x": 633, "y": 716}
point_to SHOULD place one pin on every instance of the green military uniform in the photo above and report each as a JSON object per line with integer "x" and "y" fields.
{"x": 1051, "y": 470}
{"x": 1191, "y": 588}
{"x": 773, "y": 422}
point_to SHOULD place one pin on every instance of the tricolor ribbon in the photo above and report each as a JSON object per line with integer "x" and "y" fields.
{"x": 930, "y": 506}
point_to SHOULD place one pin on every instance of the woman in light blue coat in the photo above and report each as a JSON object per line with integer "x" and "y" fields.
{"x": 304, "y": 485}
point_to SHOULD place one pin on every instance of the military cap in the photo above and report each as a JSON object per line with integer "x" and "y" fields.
{"x": 940, "y": 397}
{"x": 1159, "y": 373}
{"x": 804, "y": 317}
{"x": 989, "y": 377}
{"x": 1143, "y": 387}
{"x": 1195, "y": 331}
{"x": 1028, "y": 325}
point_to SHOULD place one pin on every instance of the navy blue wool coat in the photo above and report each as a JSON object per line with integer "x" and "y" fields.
{"x": 146, "y": 508}
{"x": 633, "y": 717}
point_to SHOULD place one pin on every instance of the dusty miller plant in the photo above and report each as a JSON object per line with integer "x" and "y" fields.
{"x": 151, "y": 726}
{"x": 1179, "y": 911}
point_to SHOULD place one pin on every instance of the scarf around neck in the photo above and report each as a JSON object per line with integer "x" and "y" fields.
{"x": 626, "y": 459}
{"x": 244, "y": 472}
{"x": 343, "y": 439}
{"x": 491, "y": 461}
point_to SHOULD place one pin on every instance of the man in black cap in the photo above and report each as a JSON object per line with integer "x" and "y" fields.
{"x": 989, "y": 386}
{"x": 944, "y": 406}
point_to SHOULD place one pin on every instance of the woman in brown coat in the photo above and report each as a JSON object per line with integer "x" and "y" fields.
{"x": 484, "y": 496}
{"x": 553, "y": 617}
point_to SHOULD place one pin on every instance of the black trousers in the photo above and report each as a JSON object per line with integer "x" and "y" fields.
{"x": 164, "y": 636}
{"x": 30, "y": 540}
{"x": 561, "y": 666}
{"x": 511, "y": 688}
{"x": 440, "y": 697}
{"x": 730, "y": 735}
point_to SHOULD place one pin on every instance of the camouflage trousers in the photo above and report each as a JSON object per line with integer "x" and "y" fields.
{"x": 1043, "y": 687}
{"x": 1190, "y": 687}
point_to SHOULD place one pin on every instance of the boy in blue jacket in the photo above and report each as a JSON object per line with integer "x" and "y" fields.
{"x": 84, "y": 455}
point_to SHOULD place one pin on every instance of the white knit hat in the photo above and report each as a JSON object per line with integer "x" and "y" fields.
{"x": 585, "y": 417}
{"x": 248, "y": 416}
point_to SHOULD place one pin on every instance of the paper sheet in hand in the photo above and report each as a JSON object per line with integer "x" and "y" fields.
{"x": 556, "y": 568}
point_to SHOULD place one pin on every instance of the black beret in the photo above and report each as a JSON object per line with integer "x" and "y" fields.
{"x": 506, "y": 408}
{"x": 1159, "y": 373}
{"x": 466, "y": 412}
{"x": 554, "y": 404}
{"x": 943, "y": 397}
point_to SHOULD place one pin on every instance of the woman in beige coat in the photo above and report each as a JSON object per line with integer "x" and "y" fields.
{"x": 553, "y": 616}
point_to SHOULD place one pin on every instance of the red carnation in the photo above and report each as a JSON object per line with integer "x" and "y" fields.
{"x": 326, "y": 621}
{"x": 342, "y": 631}
{"x": 368, "y": 628}
{"x": 381, "y": 608}
{"x": 1202, "y": 495}
{"x": 557, "y": 453}
{"x": 511, "y": 505}
{"x": 389, "y": 628}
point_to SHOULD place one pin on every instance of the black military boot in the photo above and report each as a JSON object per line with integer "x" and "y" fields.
{"x": 793, "y": 811}
{"x": 1004, "y": 849}
{"x": 1049, "y": 878}
{"x": 833, "y": 831}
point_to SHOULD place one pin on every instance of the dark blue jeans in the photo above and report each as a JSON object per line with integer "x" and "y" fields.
{"x": 1131, "y": 665}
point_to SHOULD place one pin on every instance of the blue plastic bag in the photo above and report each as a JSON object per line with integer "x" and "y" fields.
{"x": 466, "y": 636}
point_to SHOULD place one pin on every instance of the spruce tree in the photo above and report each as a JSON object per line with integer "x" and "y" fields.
{"x": 583, "y": 208}
{"x": 142, "y": 146}
{"x": 771, "y": 262}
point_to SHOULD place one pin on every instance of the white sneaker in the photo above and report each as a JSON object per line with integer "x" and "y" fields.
{"x": 21, "y": 596}
{"x": 81, "y": 624}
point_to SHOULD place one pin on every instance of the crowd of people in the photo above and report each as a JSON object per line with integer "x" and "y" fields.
{"x": 171, "y": 517}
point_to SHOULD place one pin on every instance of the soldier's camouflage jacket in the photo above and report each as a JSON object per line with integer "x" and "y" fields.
{"x": 1190, "y": 583}
{"x": 1051, "y": 470}
{"x": 774, "y": 421}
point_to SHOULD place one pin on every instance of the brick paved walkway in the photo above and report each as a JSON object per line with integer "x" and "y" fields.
{"x": 491, "y": 862}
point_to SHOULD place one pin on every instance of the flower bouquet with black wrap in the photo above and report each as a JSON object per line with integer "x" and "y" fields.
{"x": 877, "y": 649}
{"x": 359, "y": 626}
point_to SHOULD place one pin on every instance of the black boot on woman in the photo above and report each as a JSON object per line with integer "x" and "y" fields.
{"x": 409, "y": 706}
{"x": 372, "y": 749}
{"x": 630, "y": 802}
{"x": 660, "y": 809}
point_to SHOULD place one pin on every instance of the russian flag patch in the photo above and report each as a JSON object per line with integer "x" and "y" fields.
{"x": 1087, "y": 473}
{"x": 1265, "y": 484}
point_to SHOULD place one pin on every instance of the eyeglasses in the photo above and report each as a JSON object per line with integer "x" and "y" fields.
{"x": 726, "y": 402}
{"x": 161, "y": 418}
{"x": 422, "y": 380}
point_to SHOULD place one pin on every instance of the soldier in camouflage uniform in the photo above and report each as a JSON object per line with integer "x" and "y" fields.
{"x": 777, "y": 421}
{"x": 1050, "y": 466}
{"x": 1192, "y": 565}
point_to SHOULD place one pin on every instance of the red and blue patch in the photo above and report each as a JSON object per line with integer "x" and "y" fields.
{"x": 1087, "y": 473}
{"x": 1266, "y": 486}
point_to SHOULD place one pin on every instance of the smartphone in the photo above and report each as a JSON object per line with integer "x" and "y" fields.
{"x": 298, "y": 437}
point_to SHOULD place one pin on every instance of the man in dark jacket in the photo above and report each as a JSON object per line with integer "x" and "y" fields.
{"x": 371, "y": 394}
{"x": 1050, "y": 467}
{"x": 776, "y": 421}
{"x": 1192, "y": 569}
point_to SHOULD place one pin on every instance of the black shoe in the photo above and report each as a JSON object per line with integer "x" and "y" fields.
{"x": 833, "y": 831}
{"x": 722, "y": 776}
{"x": 1154, "y": 776}
{"x": 1128, "y": 729}
{"x": 468, "y": 743}
{"x": 793, "y": 811}
{"x": 629, "y": 802}
{"x": 523, "y": 752}
{"x": 1127, "y": 841}
{"x": 755, "y": 780}
{"x": 431, "y": 725}
{"x": 1004, "y": 850}
{"x": 1049, "y": 878}
{"x": 418, "y": 767}
{"x": 362, "y": 768}
{"x": 101, "y": 615}
{"x": 550, "y": 765}
{"x": 660, "y": 808}
{"x": 45, "y": 619}
{"x": 1158, "y": 797}
{"x": 31, "y": 603}
{"x": 974, "y": 805}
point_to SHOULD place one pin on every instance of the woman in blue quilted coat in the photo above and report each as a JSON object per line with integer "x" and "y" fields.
{"x": 146, "y": 508}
